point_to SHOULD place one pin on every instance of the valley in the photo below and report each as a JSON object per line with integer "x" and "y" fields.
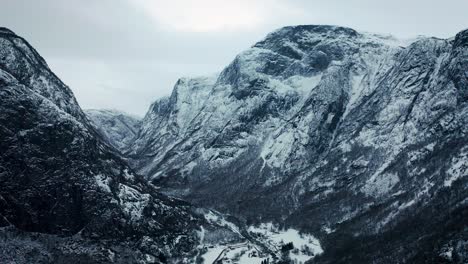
{"x": 318, "y": 144}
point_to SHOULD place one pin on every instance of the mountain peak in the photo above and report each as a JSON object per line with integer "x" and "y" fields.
{"x": 313, "y": 122}
{"x": 4, "y": 30}
{"x": 317, "y": 29}
{"x": 461, "y": 39}
{"x": 301, "y": 32}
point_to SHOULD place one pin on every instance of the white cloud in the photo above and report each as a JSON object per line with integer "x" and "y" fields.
{"x": 215, "y": 15}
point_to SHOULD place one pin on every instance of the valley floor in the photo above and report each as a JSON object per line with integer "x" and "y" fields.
{"x": 265, "y": 242}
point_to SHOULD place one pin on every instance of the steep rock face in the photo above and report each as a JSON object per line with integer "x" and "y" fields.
{"x": 118, "y": 128}
{"x": 327, "y": 129}
{"x": 168, "y": 120}
{"x": 273, "y": 104}
{"x": 23, "y": 63}
{"x": 64, "y": 194}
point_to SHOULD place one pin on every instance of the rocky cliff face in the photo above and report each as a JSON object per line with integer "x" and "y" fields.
{"x": 65, "y": 196}
{"x": 354, "y": 136}
{"x": 118, "y": 128}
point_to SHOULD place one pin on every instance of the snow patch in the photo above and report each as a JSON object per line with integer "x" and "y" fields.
{"x": 218, "y": 219}
{"x": 354, "y": 94}
{"x": 212, "y": 254}
{"x": 381, "y": 184}
{"x": 457, "y": 170}
{"x": 307, "y": 246}
{"x": 132, "y": 201}
{"x": 103, "y": 182}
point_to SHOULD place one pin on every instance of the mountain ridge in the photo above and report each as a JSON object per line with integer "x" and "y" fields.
{"x": 67, "y": 195}
{"x": 312, "y": 122}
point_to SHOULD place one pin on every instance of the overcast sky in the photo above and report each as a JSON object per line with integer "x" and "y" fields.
{"x": 124, "y": 54}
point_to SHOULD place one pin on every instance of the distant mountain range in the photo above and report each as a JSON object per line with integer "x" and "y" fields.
{"x": 118, "y": 128}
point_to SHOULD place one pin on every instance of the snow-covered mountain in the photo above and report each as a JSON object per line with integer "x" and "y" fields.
{"x": 65, "y": 195}
{"x": 356, "y": 137}
{"x": 118, "y": 128}
{"x": 352, "y": 146}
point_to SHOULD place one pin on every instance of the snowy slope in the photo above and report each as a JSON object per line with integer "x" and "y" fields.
{"x": 118, "y": 128}
{"x": 349, "y": 130}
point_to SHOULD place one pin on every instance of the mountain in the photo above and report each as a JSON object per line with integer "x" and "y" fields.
{"x": 66, "y": 196}
{"x": 118, "y": 128}
{"x": 358, "y": 138}
{"x": 319, "y": 144}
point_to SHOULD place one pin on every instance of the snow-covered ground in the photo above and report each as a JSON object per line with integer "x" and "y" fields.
{"x": 241, "y": 253}
{"x": 305, "y": 246}
{"x": 212, "y": 254}
{"x": 217, "y": 219}
{"x": 246, "y": 254}
{"x": 266, "y": 235}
